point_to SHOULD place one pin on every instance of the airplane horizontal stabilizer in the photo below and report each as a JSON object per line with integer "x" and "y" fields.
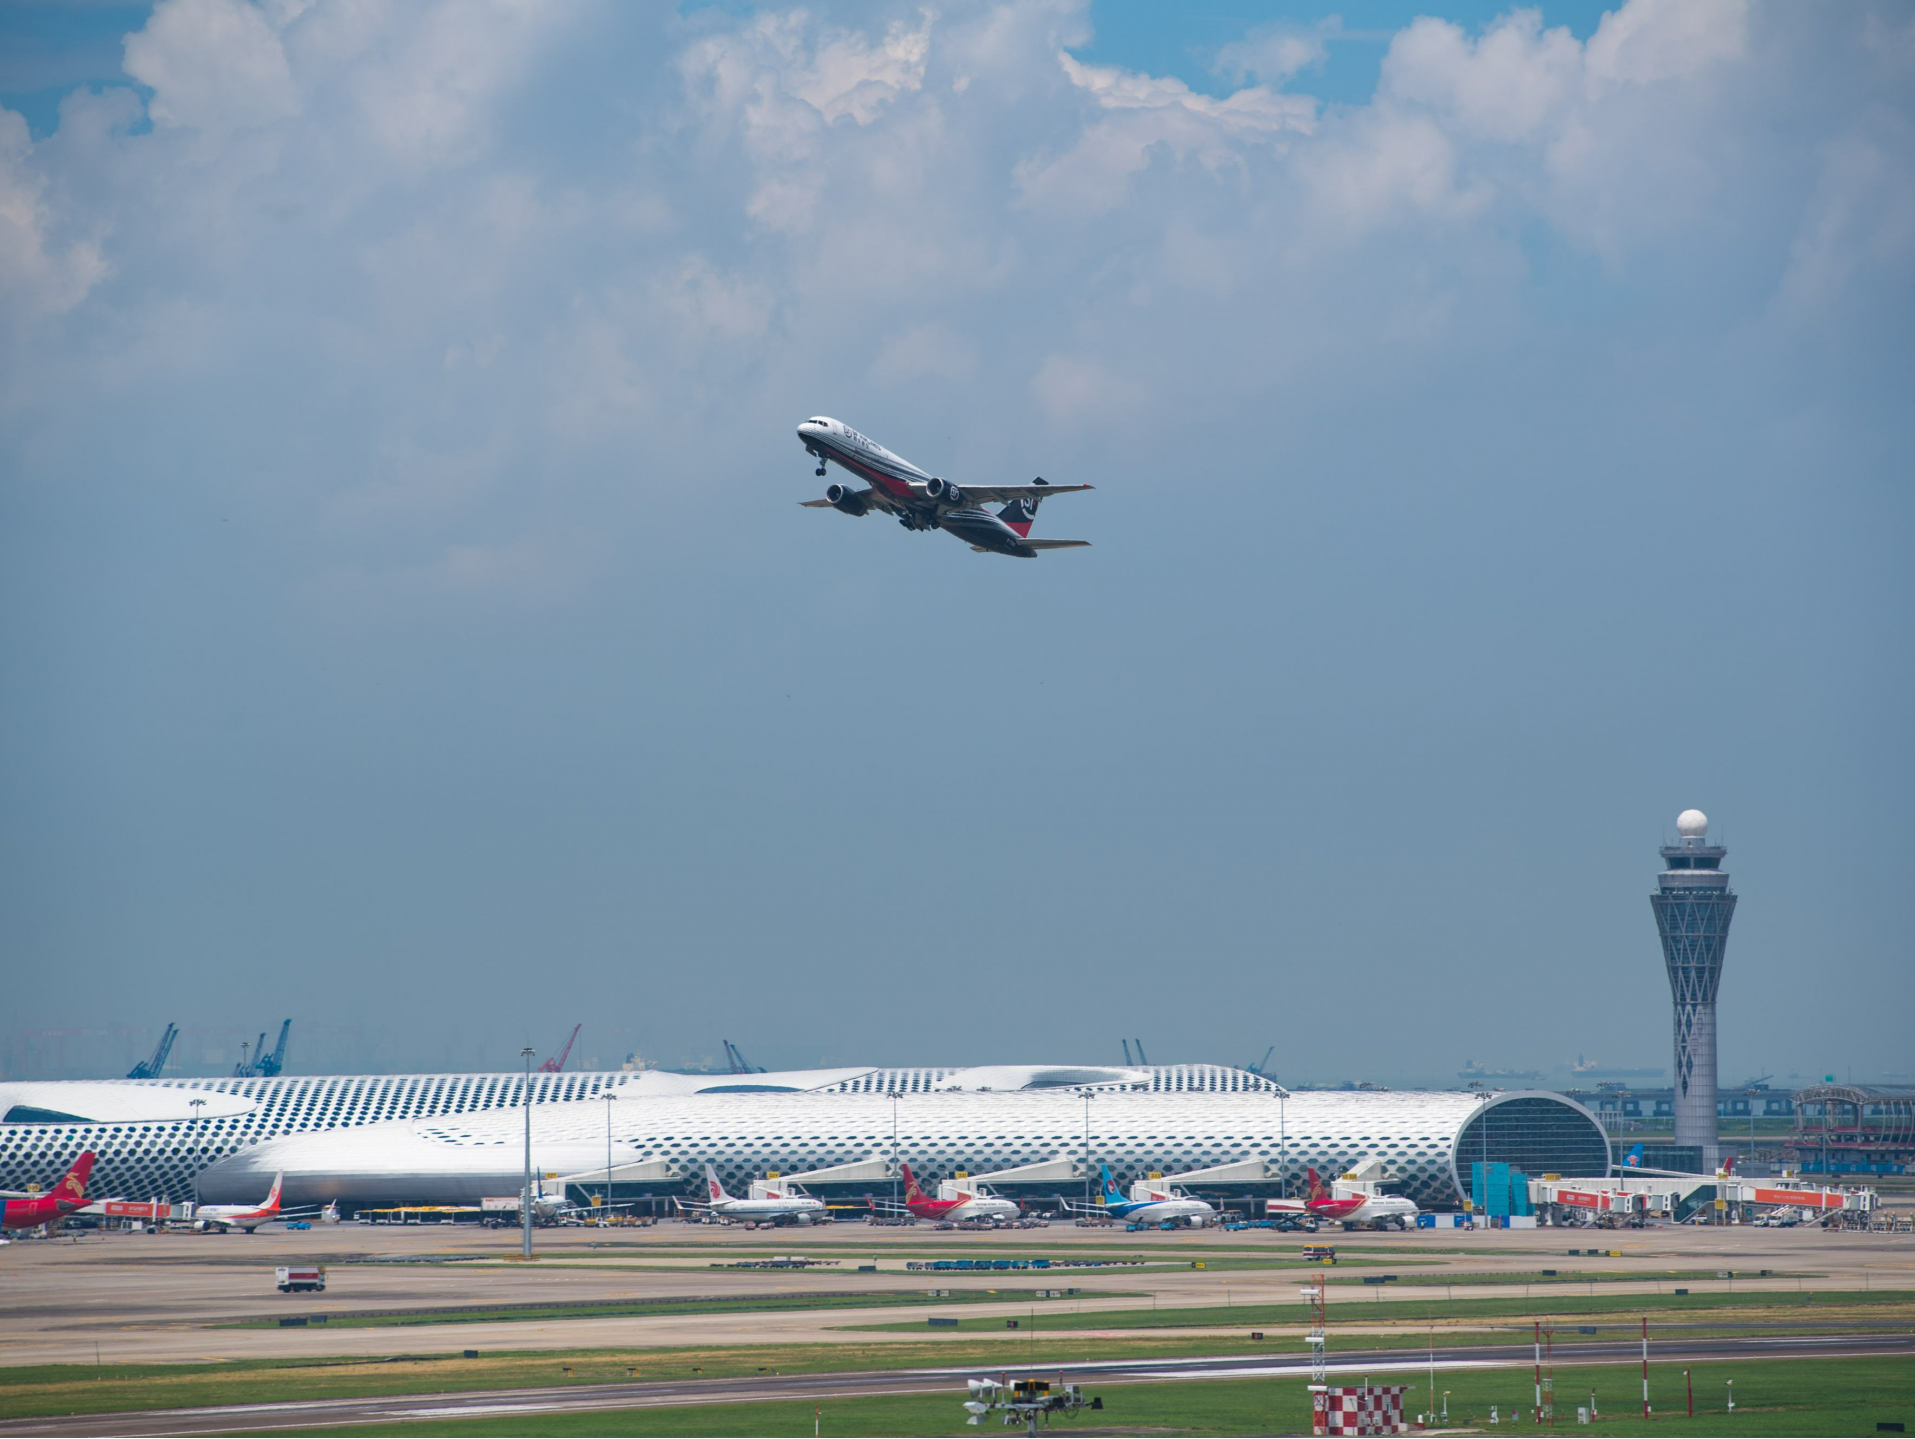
{"x": 1058, "y": 544}
{"x": 999, "y": 494}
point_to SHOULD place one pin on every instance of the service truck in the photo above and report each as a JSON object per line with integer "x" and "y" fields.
{"x": 300, "y": 1278}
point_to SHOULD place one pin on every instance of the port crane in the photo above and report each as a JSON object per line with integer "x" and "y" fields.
{"x": 150, "y": 1068}
{"x": 262, "y": 1062}
{"x": 556, "y": 1064}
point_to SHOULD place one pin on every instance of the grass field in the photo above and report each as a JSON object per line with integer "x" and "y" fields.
{"x": 1789, "y": 1397}
{"x": 1888, "y": 1307}
{"x": 66, "y": 1389}
{"x": 83, "y": 1389}
{"x": 755, "y": 1304}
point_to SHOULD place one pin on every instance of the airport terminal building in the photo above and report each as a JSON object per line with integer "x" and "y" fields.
{"x": 1028, "y": 1130}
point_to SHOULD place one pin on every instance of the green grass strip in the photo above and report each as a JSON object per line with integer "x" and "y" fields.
{"x": 1810, "y": 1397}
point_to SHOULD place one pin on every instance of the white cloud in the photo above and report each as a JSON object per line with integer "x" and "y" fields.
{"x": 780, "y": 85}
{"x": 1647, "y": 41}
{"x": 1272, "y": 54}
{"x": 1144, "y": 116}
{"x": 38, "y": 275}
{"x": 1505, "y": 85}
{"x": 737, "y": 206}
{"x": 213, "y": 66}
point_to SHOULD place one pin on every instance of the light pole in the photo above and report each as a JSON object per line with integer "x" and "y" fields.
{"x": 525, "y": 1197}
{"x": 606, "y": 1218}
{"x": 1087, "y": 1191}
{"x": 199, "y": 1145}
{"x": 893, "y": 1092}
{"x": 1283, "y": 1142}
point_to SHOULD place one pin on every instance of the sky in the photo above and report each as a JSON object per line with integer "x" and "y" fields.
{"x": 1500, "y": 429}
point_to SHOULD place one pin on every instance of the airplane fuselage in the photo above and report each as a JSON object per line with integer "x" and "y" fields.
{"x": 29, "y": 1213}
{"x": 969, "y": 1208}
{"x": 1164, "y": 1211}
{"x": 1381, "y": 1210}
{"x": 770, "y": 1211}
{"x": 234, "y": 1216}
{"x": 240, "y": 1216}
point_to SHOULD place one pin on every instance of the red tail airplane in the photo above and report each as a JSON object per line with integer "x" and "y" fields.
{"x": 1379, "y": 1209}
{"x": 965, "y": 1206}
{"x": 26, "y": 1211}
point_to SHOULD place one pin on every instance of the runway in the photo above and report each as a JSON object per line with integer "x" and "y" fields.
{"x": 333, "y": 1413}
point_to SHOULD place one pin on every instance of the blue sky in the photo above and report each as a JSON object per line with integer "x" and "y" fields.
{"x": 407, "y": 621}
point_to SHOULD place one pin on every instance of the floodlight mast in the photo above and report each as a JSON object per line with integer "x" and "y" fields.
{"x": 525, "y": 1197}
{"x": 1283, "y": 1139}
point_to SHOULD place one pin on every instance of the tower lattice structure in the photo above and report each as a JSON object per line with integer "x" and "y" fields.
{"x": 1693, "y": 905}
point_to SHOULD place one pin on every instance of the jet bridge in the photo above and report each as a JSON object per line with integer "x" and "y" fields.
{"x": 1628, "y": 1195}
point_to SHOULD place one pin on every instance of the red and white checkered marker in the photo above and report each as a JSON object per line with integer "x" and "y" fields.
{"x": 1358, "y": 1408}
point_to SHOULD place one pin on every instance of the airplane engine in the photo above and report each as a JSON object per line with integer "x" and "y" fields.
{"x": 852, "y": 502}
{"x": 944, "y": 492}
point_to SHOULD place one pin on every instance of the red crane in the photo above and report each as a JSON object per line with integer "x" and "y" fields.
{"x": 554, "y": 1066}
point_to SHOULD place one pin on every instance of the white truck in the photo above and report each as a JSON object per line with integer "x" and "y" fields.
{"x": 301, "y": 1278}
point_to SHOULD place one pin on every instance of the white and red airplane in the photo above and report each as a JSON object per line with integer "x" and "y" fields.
{"x": 228, "y": 1217}
{"x": 779, "y": 1204}
{"x": 925, "y": 502}
{"x": 26, "y": 1211}
{"x": 963, "y": 1204}
{"x": 1347, "y": 1206}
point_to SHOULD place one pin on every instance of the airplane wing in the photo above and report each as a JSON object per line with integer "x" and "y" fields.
{"x": 1002, "y": 494}
{"x": 816, "y": 504}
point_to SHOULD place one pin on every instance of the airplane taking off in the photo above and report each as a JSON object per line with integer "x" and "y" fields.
{"x": 965, "y": 1204}
{"x": 228, "y": 1217}
{"x": 24, "y": 1211}
{"x": 926, "y": 502}
{"x": 779, "y": 1205}
{"x": 1385, "y": 1211}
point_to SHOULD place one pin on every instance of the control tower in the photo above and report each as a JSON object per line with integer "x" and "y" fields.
{"x": 1694, "y": 905}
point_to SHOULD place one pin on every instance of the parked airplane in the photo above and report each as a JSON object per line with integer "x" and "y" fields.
{"x": 24, "y": 1211}
{"x": 228, "y": 1217}
{"x": 780, "y": 1204}
{"x": 926, "y": 502}
{"x": 1151, "y": 1202}
{"x": 965, "y": 1202}
{"x": 1362, "y": 1206}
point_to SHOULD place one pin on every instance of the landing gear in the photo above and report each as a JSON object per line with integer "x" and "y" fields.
{"x": 819, "y": 472}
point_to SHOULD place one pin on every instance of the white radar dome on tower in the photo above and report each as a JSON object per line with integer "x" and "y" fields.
{"x": 1692, "y": 824}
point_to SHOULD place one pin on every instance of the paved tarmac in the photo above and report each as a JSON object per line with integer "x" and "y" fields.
{"x": 151, "y": 1299}
{"x": 497, "y": 1403}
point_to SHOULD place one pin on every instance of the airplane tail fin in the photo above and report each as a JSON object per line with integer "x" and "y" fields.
{"x": 714, "y": 1191}
{"x": 1111, "y": 1193}
{"x": 272, "y": 1200}
{"x": 73, "y": 1186}
{"x": 1633, "y": 1159}
{"x": 913, "y": 1192}
{"x": 1019, "y": 514}
{"x": 1316, "y": 1185}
